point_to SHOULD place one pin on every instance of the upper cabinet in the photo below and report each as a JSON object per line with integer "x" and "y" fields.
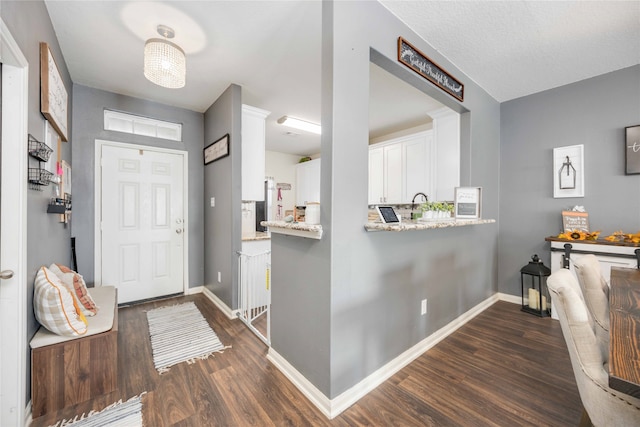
{"x": 253, "y": 152}
{"x": 385, "y": 173}
{"x": 308, "y": 182}
{"x": 423, "y": 162}
{"x": 446, "y": 136}
{"x": 401, "y": 167}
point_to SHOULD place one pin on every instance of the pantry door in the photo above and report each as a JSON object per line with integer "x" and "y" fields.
{"x": 143, "y": 221}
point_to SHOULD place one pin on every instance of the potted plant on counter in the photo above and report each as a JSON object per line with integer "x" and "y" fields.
{"x": 436, "y": 210}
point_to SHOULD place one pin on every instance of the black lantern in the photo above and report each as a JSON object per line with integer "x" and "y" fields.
{"x": 538, "y": 301}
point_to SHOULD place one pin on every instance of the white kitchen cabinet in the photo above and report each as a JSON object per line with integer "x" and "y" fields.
{"x": 393, "y": 165}
{"x": 253, "y": 152}
{"x": 446, "y": 137}
{"x": 376, "y": 175}
{"x": 400, "y": 168}
{"x": 418, "y": 173}
{"x": 308, "y": 182}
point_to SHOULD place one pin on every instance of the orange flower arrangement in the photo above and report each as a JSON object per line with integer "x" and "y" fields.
{"x": 620, "y": 236}
{"x": 579, "y": 235}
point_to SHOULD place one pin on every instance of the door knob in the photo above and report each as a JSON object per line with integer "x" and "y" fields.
{"x": 179, "y": 230}
{"x": 6, "y": 274}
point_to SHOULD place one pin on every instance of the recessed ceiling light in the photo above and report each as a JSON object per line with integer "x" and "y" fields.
{"x": 300, "y": 124}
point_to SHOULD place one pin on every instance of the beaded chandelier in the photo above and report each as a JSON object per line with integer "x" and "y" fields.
{"x": 164, "y": 62}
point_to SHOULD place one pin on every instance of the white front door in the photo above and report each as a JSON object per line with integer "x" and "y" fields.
{"x": 143, "y": 222}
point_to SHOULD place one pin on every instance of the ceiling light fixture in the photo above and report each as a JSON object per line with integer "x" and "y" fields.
{"x": 300, "y": 124}
{"x": 164, "y": 62}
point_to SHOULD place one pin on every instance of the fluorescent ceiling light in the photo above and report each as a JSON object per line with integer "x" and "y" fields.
{"x": 300, "y": 124}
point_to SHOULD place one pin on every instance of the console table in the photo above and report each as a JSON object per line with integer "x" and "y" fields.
{"x": 609, "y": 254}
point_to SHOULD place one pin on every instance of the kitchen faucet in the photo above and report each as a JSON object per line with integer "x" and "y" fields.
{"x": 413, "y": 201}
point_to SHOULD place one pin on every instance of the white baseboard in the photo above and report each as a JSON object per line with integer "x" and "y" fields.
{"x": 333, "y": 407}
{"x": 231, "y": 314}
{"x": 28, "y": 418}
{"x": 316, "y": 397}
{"x": 193, "y": 291}
{"x": 514, "y": 299}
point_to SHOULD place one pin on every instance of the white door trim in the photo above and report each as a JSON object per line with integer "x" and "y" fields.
{"x": 98, "y": 204}
{"x": 13, "y": 249}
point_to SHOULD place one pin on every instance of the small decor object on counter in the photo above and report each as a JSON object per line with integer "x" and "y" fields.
{"x": 312, "y": 213}
{"x": 468, "y": 201}
{"x": 622, "y": 237}
{"x": 579, "y": 235}
{"x": 575, "y": 220}
{"x": 436, "y": 211}
{"x": 537, "y": 296}
{"x": 388, "y": 215}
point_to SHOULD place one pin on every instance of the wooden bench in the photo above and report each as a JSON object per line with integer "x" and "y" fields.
{"x": 70, "y": 370}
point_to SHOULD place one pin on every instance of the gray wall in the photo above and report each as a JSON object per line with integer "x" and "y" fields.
{"x": 88, "y": 125}
{"x": 223, "y": 180}
{"x": 593, "y": 112}
{"x": 349, "y": 303}
{"x": 48, "y": 240}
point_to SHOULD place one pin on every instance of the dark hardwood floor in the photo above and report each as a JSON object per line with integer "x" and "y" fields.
{"x": 503, "y": 368}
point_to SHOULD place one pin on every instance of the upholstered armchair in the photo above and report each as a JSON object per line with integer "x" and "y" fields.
{"x": 595, "y": 292}
{"x": 603, "y": 406}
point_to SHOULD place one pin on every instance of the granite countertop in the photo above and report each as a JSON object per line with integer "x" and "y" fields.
{"x": 299, "y": 229}
{"x": 258, "y": 235}
{"x": 425, "y": 225}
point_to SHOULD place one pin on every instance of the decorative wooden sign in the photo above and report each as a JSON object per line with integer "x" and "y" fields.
{"x": 53, "y": 94}
{"x": 423, "y": 65}
{"x": 575, "y": 221}
{"x": 217, "y": 150}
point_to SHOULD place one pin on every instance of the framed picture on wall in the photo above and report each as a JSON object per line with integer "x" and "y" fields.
{"x": 568, "y": 171}
{"x": 217, "y": 150}
{"x": 632, "y": 149}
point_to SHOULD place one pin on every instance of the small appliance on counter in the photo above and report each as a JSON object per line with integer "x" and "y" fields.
{"x": 263, "y": 208}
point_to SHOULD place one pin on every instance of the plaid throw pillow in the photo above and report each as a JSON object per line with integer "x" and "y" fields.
{"x": 75, "y": 283}
{"x": 55, "y": 306}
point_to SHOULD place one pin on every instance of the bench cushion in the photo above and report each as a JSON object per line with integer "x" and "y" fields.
{"x": 105, "y": 298}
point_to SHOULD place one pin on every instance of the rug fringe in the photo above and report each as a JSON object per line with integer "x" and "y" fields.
{"x": 193, "y": 360}
{"x": 70, "y": 421}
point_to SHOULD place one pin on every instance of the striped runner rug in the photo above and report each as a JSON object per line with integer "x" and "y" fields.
{"x": 119, "y": 414}
{"x": 179, "y": 333}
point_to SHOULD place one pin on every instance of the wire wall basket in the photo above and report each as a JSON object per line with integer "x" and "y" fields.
{"x": 39, "y": 178}
{"x": 39, "y": 150}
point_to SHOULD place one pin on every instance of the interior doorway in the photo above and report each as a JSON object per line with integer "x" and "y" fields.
{"x": 13, "y": 230}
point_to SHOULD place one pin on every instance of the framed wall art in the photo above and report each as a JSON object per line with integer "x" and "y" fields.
{"x": 217, "y": 150}
{"x": 53, "y": 94}
{"x": 568, "y": 171}
{"x": 468, "y": 201}
{"x": 410, "y": 56}
{"x": 632, "y": 149}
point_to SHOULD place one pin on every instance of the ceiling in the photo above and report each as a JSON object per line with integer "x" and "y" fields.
{"x": 272, "y": 49}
